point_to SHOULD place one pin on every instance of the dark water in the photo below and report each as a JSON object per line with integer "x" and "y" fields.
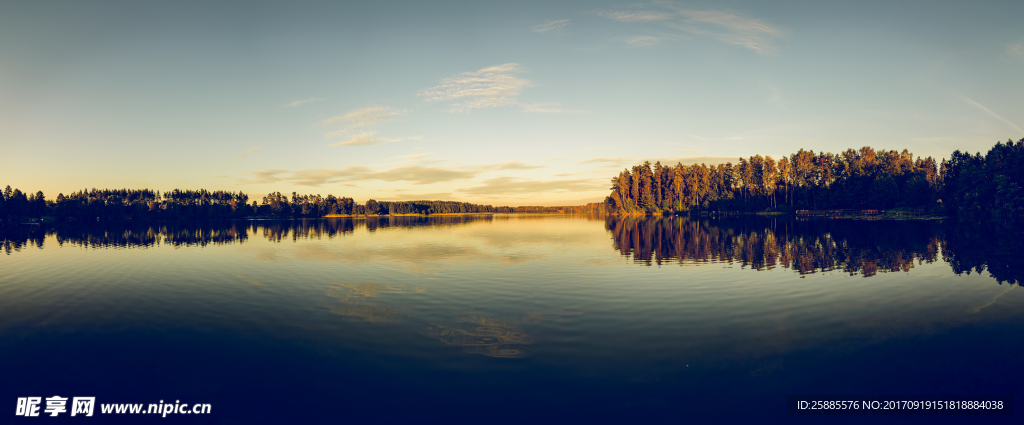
{"x": 508, "y": 318}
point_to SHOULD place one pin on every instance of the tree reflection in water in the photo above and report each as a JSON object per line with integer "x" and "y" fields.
{"x": 809, "y": 246}
{"x": 761, "y": 243}
{"x": 128, "y": 234}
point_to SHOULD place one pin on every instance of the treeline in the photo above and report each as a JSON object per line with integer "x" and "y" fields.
{"x": 277, "y": 205}
{"x": 855, "y": 179}
{"x": 976, "y": 184}
{"x": 596, "y": 207}
{"x": 90, "y": 204}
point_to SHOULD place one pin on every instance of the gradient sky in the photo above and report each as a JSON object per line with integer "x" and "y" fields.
{"x": 504, "y": 103}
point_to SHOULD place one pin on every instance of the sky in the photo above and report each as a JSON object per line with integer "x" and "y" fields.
{"x": 502, "y": 103}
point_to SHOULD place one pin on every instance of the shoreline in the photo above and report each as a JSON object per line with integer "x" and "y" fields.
{"x": 51, "y": 220}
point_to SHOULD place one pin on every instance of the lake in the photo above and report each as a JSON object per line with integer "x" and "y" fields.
{"x": 508, "y": 318}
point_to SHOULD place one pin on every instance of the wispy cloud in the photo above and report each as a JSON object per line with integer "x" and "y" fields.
{"x": 413, "y": 157}
{"x": 775, "y": 96}
{"x": 751, "y": 33}
{"x": 357, "y": 126}
{"x": 1015, "y": 50}
{"x": 627, "y": 161}
{"x": 691, "y": 160}
{"x": 487, "y": 88}
{"x": 369, "y": 138}
{"x": 730, "y": 21}
{"x": 417, "y": 196}
{"x": 266, "y": 176}
{"x": 552, "y": 26}
{"x": 979, "y": 106}
{"x": 644, "y": 40}
{"x": 512, "y": 186}
{"x": 304, "y": 101}
{"x": 516, "y": 165}
{"x": 364, "y": 117}
{"x": 639, "y": 16}
{"x": 248, "y": 151}
{"x": 421, "y": 175}
{"x": 414, "y": 174}
{"x": 417, "y": 174}
{"x": 549, "y": 108}
{"x": 611, "y": 161}
{"x": 366, "y": 138}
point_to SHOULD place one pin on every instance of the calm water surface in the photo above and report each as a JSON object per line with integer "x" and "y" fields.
{"x": 507, "y": 318}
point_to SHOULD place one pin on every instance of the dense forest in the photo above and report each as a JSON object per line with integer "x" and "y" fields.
{"x": 854, "y": 179}
{"x": 17, "y": 206}
{"x": 595, "y": 207}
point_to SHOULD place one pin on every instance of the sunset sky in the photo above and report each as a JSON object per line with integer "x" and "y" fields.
{"x": 504, "y": 103}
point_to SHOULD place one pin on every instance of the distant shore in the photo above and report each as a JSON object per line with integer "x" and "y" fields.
{"x": 406, "y": 215}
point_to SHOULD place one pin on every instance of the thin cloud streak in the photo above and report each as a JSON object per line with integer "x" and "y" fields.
{"x": 706, "y": 160}
{"x": 249, "y": 150}
{"x": 414, "y": 174}
{"x": 1016, "y": 50}
{"x": 512, "y": 186}
{"x": 363, "y": 120}
{"x": 487, "y": 88}
{"x": 516, "y": 165}
{"x": 413, "y": 157}
{"x": 364, "y": 117}
{"x": 418, "y": 197}
{"x": 776, "y": 97}
{"x": 608, "y": 161}
{"x": 636, "y": 16}
{"x": 421, "y": 175}
{"x": 751, "y": 33}
{"x": 367, "y": 139}
{"x": 549, "y": 108}
{"x": 687, "y": 160}
{"x": 490, "y": 87}
{"x": 731, "y": 21}
{"x": 362, "y": 139}
{"x": 304, "y": 101}
{"x": 644, "y": 40}
{"x": 550, "y": 26}
{"x": 978, "y": 105}
{"x": 266, "y": 176}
